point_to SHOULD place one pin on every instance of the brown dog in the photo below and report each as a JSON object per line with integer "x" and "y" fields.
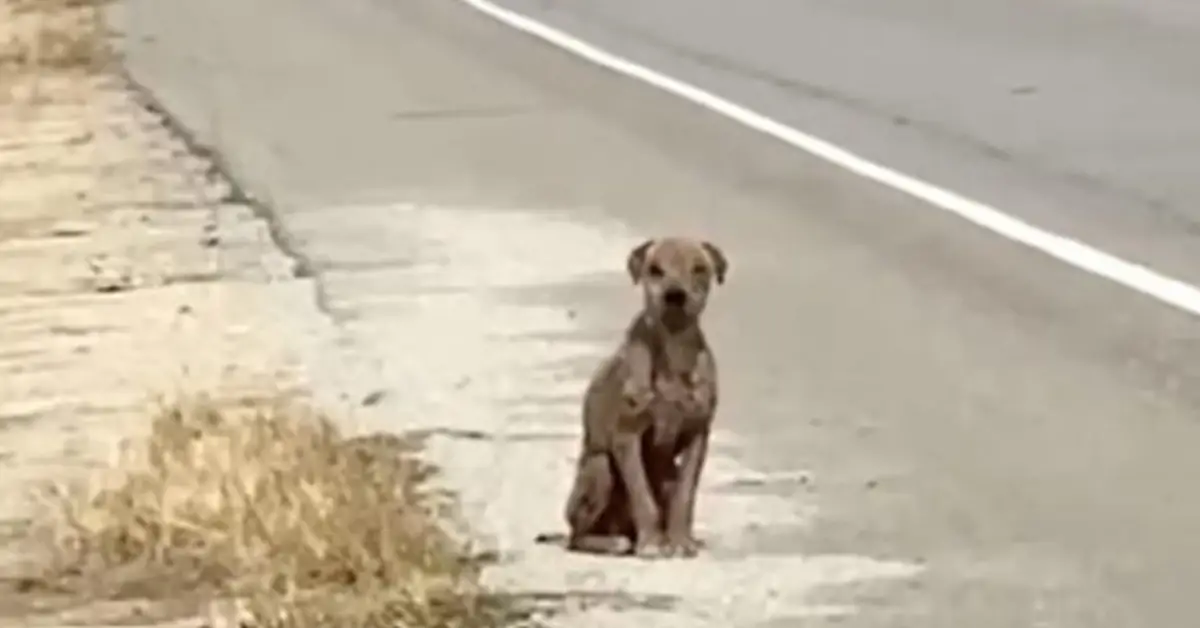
{"x": 647, "y": 413}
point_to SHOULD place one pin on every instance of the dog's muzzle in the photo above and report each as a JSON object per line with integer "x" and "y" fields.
{"x": 675, "y": 297}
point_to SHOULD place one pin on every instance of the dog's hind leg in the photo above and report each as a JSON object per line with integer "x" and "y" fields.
{"x": 604, "y": 544}
{"x": 595, "y": 510}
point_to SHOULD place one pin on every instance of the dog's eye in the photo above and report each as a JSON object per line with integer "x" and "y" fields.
{"x": 655, "y": 270}
{"x": 699, "y": 269}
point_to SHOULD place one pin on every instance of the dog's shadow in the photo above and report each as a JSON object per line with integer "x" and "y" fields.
{"x": 537, "y": 605}
{"x": 533, "y": 608}
{"x": 559, "y": 540}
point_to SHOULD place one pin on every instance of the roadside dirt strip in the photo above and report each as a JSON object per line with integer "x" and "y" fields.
{"x": 122, "y": 275}
{"x": 128, "y": 269}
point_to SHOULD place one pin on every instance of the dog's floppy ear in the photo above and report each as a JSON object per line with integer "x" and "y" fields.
{"x": 637, "y": 260}
{"x": 720, "y": 264}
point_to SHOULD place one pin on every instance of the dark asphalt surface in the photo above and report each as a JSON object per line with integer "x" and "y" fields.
{"x": 1025, "y": 430}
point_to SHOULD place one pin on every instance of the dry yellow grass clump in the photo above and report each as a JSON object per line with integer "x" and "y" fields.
{"x": 266, "y": 503}
{"x": 53, "y": 34}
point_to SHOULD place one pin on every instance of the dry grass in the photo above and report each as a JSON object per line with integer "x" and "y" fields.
{"x": 37, "y": 35}
{"x": 265, "y": 502}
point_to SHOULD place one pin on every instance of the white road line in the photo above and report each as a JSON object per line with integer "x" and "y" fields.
{"x": 1135, "y": 276}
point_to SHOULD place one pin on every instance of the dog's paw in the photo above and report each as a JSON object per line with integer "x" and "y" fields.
{"x": 681, "y": 545}
{"x": 621, "y": 546}
{"x": 637, "y": 398}
{"x": 650, "y": 547}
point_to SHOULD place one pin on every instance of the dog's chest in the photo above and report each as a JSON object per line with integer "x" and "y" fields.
{"x": 675, "y": 361}
{"x": 676, "y": 413}
{"x": 679, "y": 389}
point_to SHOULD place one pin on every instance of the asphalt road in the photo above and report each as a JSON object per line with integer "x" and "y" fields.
{"x": 1075, "y": 115}
{"x": 1022, "y": 429}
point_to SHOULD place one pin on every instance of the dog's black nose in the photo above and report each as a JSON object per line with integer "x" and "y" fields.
{"x": 675, "y": 297}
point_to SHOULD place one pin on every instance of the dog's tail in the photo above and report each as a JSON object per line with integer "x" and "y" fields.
{"x": 550, "y": 538}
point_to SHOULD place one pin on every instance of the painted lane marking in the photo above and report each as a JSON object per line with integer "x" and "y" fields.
{"x": 1137, "y": 277}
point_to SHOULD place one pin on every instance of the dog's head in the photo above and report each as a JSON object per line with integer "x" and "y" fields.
{"x": 676, "y": 275}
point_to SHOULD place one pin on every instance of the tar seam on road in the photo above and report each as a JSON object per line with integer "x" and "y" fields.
{"x": 1170, "y": 291}
{"x": 261, "y": 204}
{"x": 238, "y": 194}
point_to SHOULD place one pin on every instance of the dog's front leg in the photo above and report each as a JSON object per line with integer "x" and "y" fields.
{"x": 701, "y": 403}
{"x": 637, "y": 389}
{"x": 645, "y": 512}
{"x": 682, "y": 506}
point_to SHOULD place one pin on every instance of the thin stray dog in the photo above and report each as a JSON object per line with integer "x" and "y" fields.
{"x": 647, "y": 413}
